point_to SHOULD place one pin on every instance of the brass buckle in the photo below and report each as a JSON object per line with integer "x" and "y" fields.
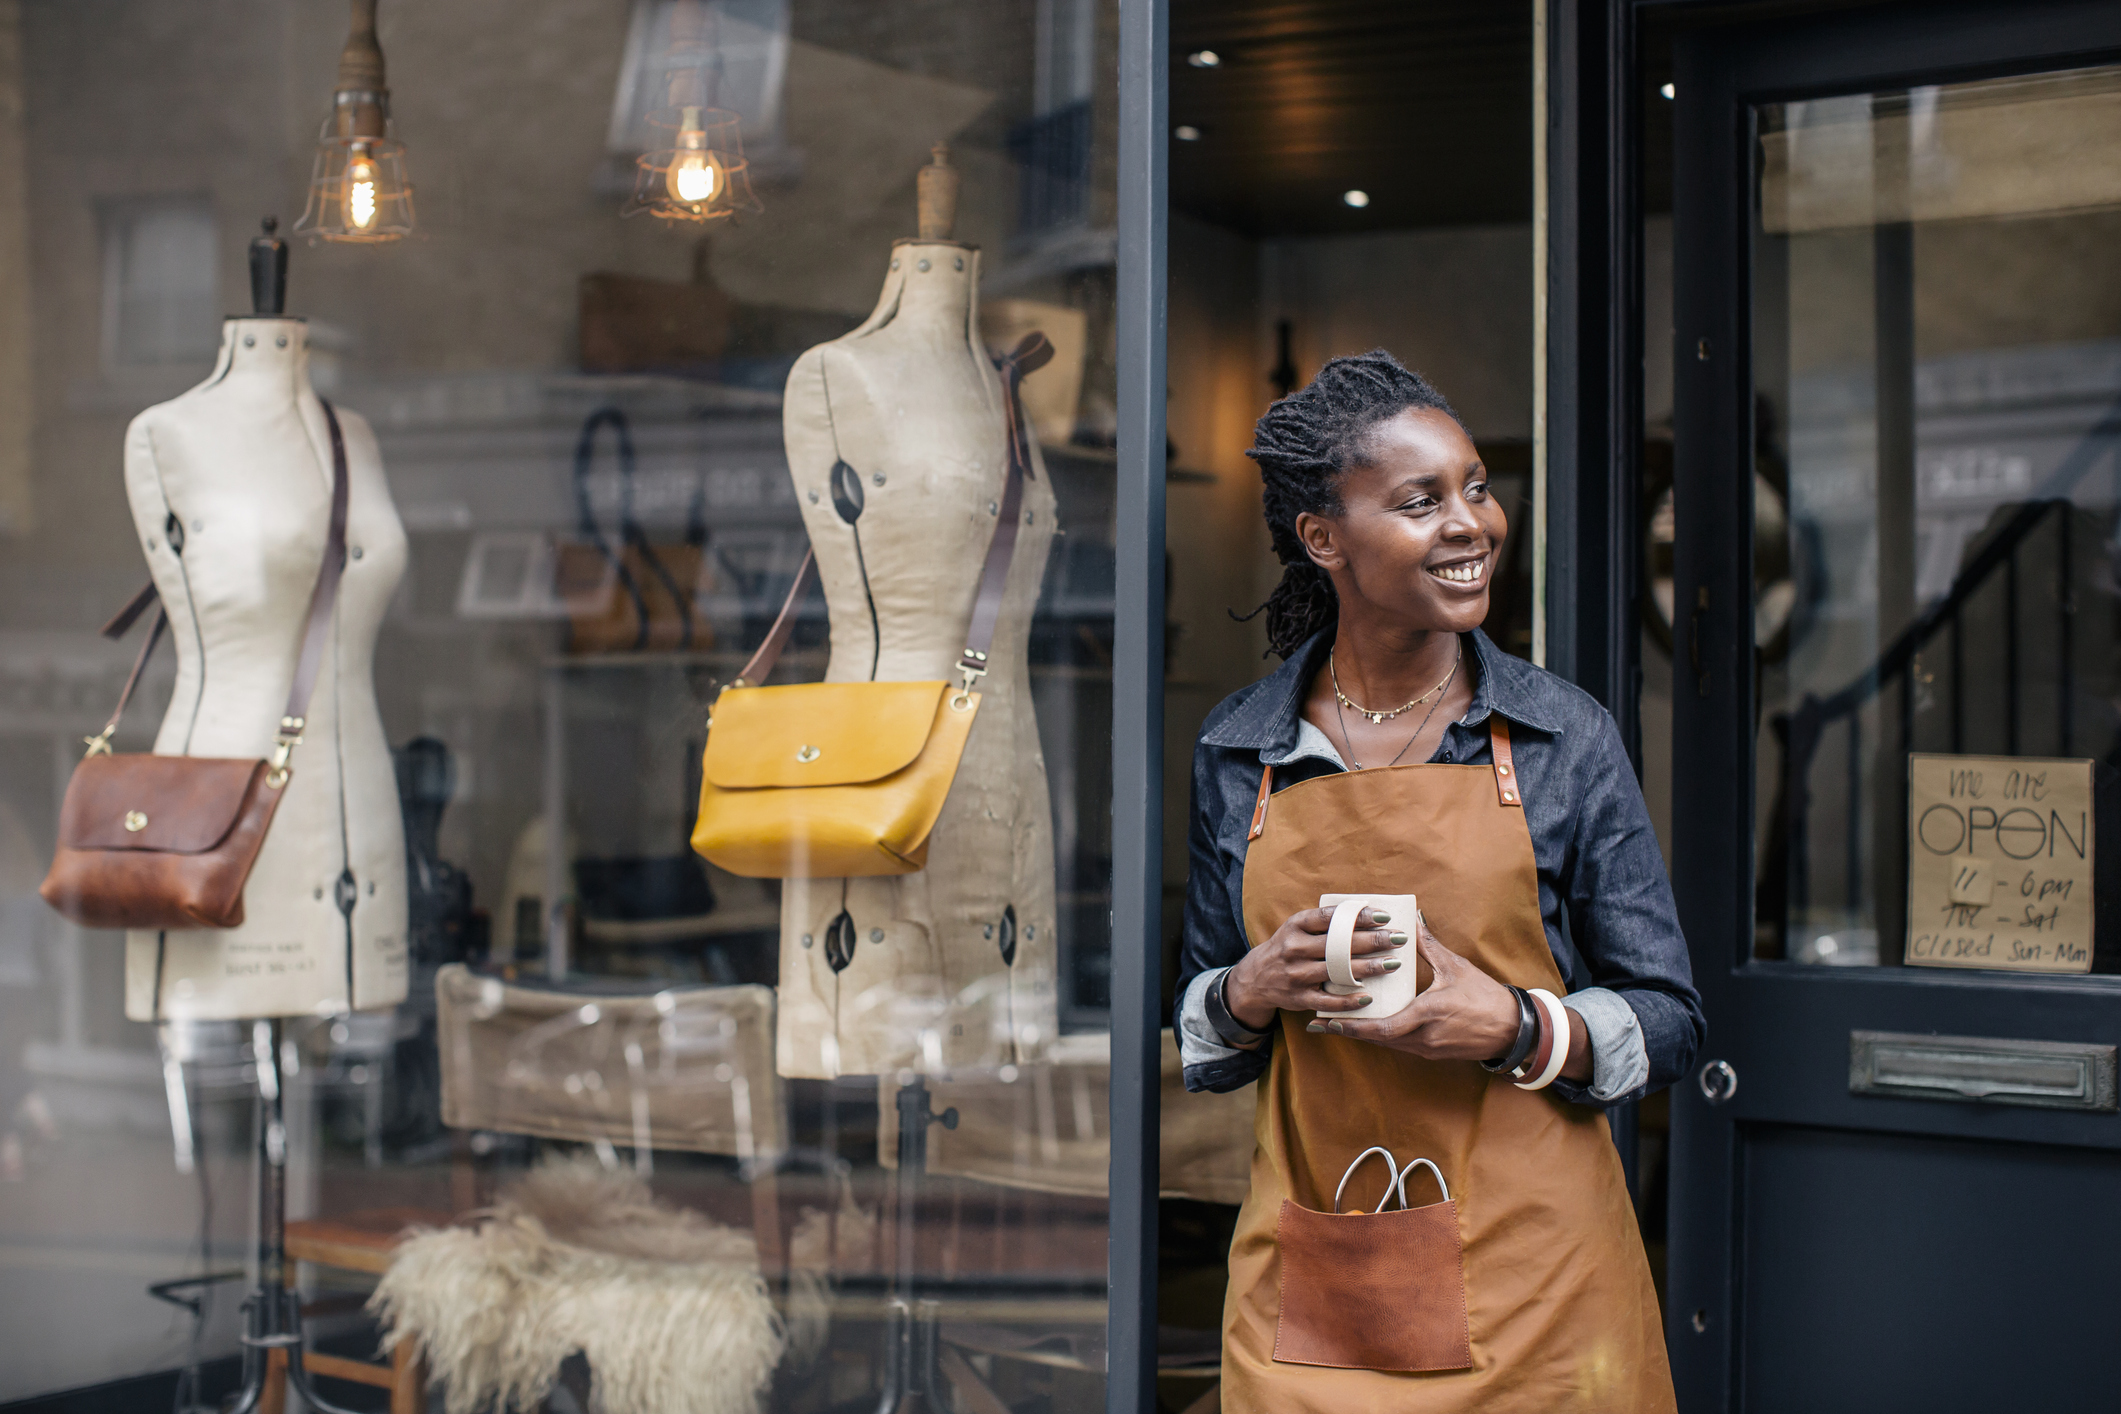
{"x": 961, "y": 700}
{"x": 284, "y": 744}
{"x": 99, "y": 744}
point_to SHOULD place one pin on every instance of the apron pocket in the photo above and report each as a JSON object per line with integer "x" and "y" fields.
{"x": 1372, "y": 1291}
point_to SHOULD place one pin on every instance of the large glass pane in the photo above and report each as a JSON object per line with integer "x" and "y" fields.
{"x": 1937, "y": 356}
{"x": 807, "y": 1123}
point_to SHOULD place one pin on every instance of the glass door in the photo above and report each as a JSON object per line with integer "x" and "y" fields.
{"x": 1899, "y": 353}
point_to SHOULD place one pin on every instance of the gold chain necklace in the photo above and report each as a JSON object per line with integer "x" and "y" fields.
{"x": 1379, "y": 717}
{"x": 1349, "y": 741}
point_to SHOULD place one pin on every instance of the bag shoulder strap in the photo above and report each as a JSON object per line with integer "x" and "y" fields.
{"x": 1033, "y": 353}
{"x": 323, "y": 599}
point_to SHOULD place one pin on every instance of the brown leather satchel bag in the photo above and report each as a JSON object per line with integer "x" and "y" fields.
{"x": 150, "y": 841}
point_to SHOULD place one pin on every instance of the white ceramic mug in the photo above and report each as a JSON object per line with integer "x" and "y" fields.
{"x": 1390, "y": 993}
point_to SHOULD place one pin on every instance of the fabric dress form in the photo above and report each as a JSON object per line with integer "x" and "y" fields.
{"x": 230, "y": 486}
{"x": 952, "y": 966}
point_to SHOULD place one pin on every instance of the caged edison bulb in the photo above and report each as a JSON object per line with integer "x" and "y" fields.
{"x": 694, "y": 175}
{"x": 361, "y": 191}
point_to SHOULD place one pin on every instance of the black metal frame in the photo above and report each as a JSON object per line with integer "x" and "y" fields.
{"x": 1785, "y": 1029}
{"x": 1594, "y": 355}
{"x": 1138, "y": 705}
{"x": 1594, "y": 377}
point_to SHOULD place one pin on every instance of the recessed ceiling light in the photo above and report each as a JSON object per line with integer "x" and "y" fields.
{"x": 1186, "y": 132}
{"x": 1356, "y": 198}
{"x": 1670, "y": 90}
{"x": 1204, "y": 59}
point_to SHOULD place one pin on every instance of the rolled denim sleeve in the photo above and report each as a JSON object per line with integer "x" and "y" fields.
{"x": 1620, "y": 1061}
{"x": 1214, "y": 936}
{"x": 1625, "y": 926}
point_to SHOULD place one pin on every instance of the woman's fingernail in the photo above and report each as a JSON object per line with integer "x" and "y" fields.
{"x": 1334, "y": 1027}
{"x": 1389, "y": 965}
{"x": 1397, "y": 940}
{"x": 1316, "y": 1027}
{"x": 1378, "y": 915}
{"x": 1360, "y": 999}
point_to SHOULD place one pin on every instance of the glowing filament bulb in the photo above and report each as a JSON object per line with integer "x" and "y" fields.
{"x": 693, "y": 177}
{"x": 361, "y": 191}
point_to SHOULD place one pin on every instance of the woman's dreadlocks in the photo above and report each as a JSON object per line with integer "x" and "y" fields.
{"x": 1303, "y": 445}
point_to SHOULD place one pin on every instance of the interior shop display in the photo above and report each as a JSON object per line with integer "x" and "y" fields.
{"x": 444, "y": 924}
{"x": 231, "y": 488}
{"x": 578, "y": 1262}
{"x": 1052, "y": 400}
{"x": 358, "y": 188}
{"x": 623, "y": 592}
{"x": 910, "y": 469}
{"x": 1047, "y": 1128}
{"x": 686, "y": 1068}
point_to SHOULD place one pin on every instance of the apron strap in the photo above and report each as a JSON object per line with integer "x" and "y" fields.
{"x": 1506, "y": 782}
{"x": 1259, "y": 811}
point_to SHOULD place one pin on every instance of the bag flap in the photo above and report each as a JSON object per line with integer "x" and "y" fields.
{"x": 174, "y": 804}
{"x": 818, "y": 733}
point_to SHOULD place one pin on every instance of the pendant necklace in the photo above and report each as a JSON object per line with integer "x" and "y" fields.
{"x": 1379, "y": 717}
{"x": 1437, "y": 692}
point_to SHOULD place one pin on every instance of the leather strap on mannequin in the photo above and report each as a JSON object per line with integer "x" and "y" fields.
{"x": 1028, "y": 356}
{"x": 323, "y": 597}
{"x": 1032, "y": 354}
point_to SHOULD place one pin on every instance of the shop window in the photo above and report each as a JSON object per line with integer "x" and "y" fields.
{"x": 587, "y": 453}
{"x": 161, "y": 291}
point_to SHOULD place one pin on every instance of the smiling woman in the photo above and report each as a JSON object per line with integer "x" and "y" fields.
{"x": 1448, "y": 850}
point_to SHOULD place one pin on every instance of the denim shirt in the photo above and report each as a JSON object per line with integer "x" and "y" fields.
{"x": 1603, "y": 892}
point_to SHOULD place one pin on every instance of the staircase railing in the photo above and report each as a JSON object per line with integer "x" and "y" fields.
{"x": 1804, "y": 729}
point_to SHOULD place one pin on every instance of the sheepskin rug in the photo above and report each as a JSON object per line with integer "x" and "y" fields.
{"x": 668, "y": 1308}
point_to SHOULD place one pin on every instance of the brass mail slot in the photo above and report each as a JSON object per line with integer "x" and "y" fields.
{"x": 2050, "y": 1075}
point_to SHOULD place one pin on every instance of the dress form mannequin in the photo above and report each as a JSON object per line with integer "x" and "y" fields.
{"x": 230, "y": 485}
{"x": 952, "y": 966}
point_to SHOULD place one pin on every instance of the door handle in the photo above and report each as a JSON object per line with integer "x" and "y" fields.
{"x": 1718, "y": 1081}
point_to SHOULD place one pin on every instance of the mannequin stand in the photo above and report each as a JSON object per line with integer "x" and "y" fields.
{"x": 272, "y": 1313}
{"x": 910, "y": 1378}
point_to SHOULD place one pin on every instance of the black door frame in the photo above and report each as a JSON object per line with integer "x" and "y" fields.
{"x": 1138, "y": 706}
{"x": 1786, "y": 1028}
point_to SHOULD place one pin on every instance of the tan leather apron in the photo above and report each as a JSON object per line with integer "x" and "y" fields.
{"x": 1559, "y": 1302}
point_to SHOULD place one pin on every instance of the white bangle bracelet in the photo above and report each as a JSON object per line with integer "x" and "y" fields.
{"x": 1558, "y": 1018}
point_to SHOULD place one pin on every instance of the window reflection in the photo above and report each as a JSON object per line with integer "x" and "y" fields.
{"x": 1938, "y": 359}
{"x": 591, "y": 454}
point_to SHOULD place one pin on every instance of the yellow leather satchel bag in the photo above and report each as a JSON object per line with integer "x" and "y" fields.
{"x": 833, "y": 780}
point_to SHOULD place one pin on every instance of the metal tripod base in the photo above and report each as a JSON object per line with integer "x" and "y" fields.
{"x": 272, "y": 1313}
{"x": 911, "y": 1383}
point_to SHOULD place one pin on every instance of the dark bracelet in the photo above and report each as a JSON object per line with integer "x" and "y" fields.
{"x": 1233, "y": 1032}
{"x": 1527, "y": 1035}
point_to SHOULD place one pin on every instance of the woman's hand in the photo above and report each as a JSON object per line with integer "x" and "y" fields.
{"x": 1464, "y": 1014}
{"x": 1288, "y": 971}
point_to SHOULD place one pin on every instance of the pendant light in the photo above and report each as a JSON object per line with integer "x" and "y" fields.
{"x": 357, "y": 189}
{"x": 694, "y": 169}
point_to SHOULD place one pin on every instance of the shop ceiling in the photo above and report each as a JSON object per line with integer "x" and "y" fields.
{"x": 1425, "y": 105}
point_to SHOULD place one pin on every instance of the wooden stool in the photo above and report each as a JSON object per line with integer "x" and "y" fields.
{"x": 357, "y": 1242}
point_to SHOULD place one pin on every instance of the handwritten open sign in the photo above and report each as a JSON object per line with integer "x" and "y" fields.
{"x": 1999, "y": 870}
